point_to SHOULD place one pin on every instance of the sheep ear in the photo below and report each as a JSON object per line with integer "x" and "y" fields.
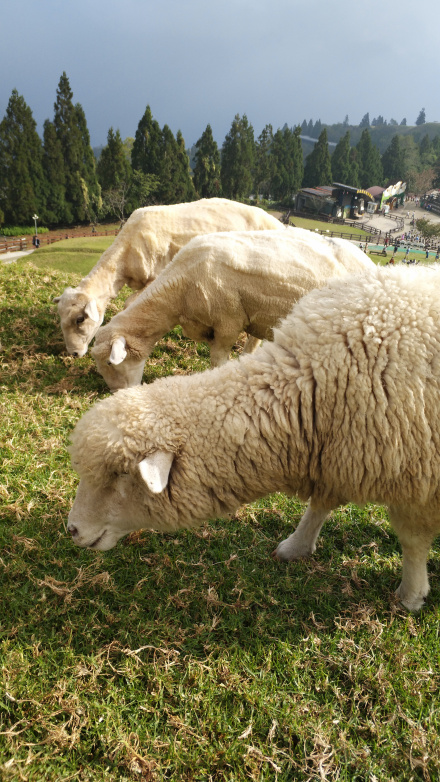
{"x": 118, "y": 352}
{"x": 56, "y": 299}
{"x": 155, "y": 470}
{"x": 91, "y": 310}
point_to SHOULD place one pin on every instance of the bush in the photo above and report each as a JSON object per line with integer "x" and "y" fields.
{"x": 23, "y": 231}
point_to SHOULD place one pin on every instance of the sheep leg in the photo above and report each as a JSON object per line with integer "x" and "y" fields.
{"x": 302, "y": 542}
{"x": 220, "y": 347}
{"x": 415, "y": 536}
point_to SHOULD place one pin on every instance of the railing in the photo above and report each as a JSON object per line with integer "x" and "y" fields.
{"x": 371, "y": 230}
{"x": 14, "y": 244}
{"x": 367, "y": 235}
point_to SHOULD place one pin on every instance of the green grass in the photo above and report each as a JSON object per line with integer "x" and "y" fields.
{"x": 76, "y": 256}
{"x": 311, "y": 225}
{"x": 191, "y": 656}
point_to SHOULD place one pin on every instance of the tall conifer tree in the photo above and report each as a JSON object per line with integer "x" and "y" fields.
{"x": 57, "y": 210}
{"x": 184, "y": 183}
{"x": 370, "y": 164}
{"x": 287, "y": 163}
{"x": 264, "y": 162}
{"x": 393, "y": 161}
{"x": 207, "y": 165}
{"x": 21, "y": 172}
{"x": 82, "y": 190}
{"x": 237, "y": 159}
{"x": 146, "y": 151}
{"x": 318, "y": 170}
{"x": 340, "y": 161}
{"x": 113, "y": 166}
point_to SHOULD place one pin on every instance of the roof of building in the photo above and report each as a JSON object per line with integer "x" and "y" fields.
{"x": 354, "y": 190}
{"x": 328, "y": 191}
{"x": 321, "y": 191}
{"x": 376, "y": 190}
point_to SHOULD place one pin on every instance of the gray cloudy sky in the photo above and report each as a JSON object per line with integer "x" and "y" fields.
{"x": 196, "y": 62}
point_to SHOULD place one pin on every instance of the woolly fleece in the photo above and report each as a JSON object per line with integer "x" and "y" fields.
{"x": 343, "y": 406}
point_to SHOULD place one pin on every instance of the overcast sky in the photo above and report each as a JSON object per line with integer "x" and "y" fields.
{"x": 199, "y": 62}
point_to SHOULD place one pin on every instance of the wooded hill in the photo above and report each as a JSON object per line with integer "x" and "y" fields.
{"x": 381, "y": 135}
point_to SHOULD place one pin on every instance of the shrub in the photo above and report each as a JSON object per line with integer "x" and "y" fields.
{"x": 23, "y": 231}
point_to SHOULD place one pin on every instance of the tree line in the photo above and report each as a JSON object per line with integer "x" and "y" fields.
{"x": 58, "y": 178}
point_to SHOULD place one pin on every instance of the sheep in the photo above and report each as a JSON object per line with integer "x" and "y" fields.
{"x": 146, "y": 244}
{"x": 343, "y": 406}
{"x": 217, "y": 286}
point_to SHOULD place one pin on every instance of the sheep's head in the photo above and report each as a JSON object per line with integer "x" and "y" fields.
{"x": 124, "y": 470}
{"x": 119, "y": 366}
{"x": 101, "y": 515}
{"x": 80, "y": 320}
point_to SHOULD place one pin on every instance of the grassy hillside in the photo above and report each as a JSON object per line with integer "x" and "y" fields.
{"x": 191, "y": 656}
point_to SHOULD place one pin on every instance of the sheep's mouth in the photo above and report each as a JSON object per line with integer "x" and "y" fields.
{"x": 97, "y": 541}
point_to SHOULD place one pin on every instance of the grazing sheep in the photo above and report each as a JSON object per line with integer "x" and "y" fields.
{"x": 146, "y": 244}
{"x": 343, "y": 406}
{"x": 217, "y": 286}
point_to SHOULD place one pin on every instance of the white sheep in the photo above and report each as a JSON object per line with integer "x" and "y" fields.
{"x": 217, "y": 286}
{"x": 146, "y": 244}
{"x": 343, "y": 406}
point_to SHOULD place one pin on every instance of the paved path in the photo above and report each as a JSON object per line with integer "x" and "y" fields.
{"x": 10, "y": 257}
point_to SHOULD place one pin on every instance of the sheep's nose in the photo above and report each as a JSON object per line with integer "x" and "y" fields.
{"x": 75, "y": 354}
{"x": 73, "y": 530}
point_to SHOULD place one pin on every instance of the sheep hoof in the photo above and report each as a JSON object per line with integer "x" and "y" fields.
{"x": 286, "y": 552}
{"x": 412, "y": 602}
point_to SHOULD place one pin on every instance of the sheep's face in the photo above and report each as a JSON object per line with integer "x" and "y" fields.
{"x": 80, "y": 320}
{"x": 117, "y": 366}
{"x": 101, "y": 515}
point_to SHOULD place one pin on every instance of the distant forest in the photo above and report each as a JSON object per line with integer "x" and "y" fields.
{"x": 62, "y": 181}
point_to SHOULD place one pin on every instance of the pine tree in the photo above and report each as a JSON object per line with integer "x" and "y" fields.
{"x": 411, "y": 162}
{"x": 113, "y": 166}
{"x": 167, "y": 167}
{"x": 207, "y": 165}
{"x": 116, "y": 179}
{"x": 427, "y": 153}
{"x": 237, "y": 159}
{"x": 82, "y": 192}
{"x": 340, "y": 161}
{"x": 421, "y": 119}
{"x": 89, "y": 180}
{"x": 393, "y": 162}
{"x": 318, "y": 170}
{"x": 287, "y": 164}
{"x": 365, "y": 121}
{"x": 370, "y": 164}
{"x": 263, "y": 170}
{"x": 57, "y": 210}
{"x": 146, "y": 150}
{"x": 185, "y": 190}
{"x": 354, "y": 179}
{"x": 21, "y": 172}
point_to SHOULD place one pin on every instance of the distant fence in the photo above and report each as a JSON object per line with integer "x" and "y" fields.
{"x": 372, "y": 232}
{"x": 13, "y": 244}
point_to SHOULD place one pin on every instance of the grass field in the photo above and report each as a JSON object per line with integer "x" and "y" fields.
{"x": 191, "y": 656}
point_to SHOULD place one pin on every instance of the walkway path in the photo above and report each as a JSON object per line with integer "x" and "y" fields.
{"x": 10, "y": 257}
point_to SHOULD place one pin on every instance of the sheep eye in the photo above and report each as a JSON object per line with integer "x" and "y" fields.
{"x": 80, "y": 319}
